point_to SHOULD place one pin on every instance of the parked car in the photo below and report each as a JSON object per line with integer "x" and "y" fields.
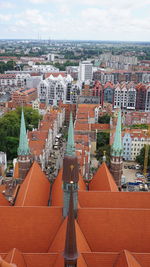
{"x": 126, "y": 167}
{"x": 137, "y": 167}
{"x": 129, "y": 167}
{"x": 140, "y": 176}
{"x": 133, "y": 166}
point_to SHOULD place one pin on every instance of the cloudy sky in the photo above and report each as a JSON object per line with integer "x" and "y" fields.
{"x": 79, "y": 19}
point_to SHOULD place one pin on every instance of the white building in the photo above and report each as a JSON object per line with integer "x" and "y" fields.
{"x": 85, "y": 71}
{"x": 125, "y": 96}
{"x": 55, "y": 89}
{"x": 44, "y": 68}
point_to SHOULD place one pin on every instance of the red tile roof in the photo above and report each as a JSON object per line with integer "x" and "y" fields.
{"x": 126, "y": 259}
{"x": 34, "y": 191}
{"x": 55, "y": 74}
{"x": 57, "y": 192}
{"x": 117, "y": 229}
{"x": 15, "y": 256}
{"x": 103, "y": 180}
{"x": 3, "y": 200}
{"x": 58, "y": 243}
{"x": 30, "y": 229}
{"x": 103, "y": 199}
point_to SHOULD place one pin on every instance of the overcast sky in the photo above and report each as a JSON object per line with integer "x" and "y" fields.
{"x": 127, "y": 20}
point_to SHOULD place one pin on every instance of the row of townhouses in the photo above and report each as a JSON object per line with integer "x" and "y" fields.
{"x": 116, "y": 76}
{"x": 128, "y": 96}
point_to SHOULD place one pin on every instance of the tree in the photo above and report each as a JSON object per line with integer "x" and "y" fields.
{"x": 103, "y": 145}
{"x": 104, "y": 119}
{"x": 102, "y": 139}
{"x": 10, "y": 129}
{"x": 140, "y": 157}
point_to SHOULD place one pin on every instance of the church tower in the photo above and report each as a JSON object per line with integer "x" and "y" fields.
{"x": 116, "y": 153}
{"x": 23, "y": 150}
{"x": 70, "y": 251}
{"x": 70, "y": 172}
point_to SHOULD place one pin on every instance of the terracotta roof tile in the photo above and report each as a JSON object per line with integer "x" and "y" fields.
{"x": 15, "y": 256}
{"x": 30, "y": 229}
{"x": 81, "y": 183}
{"x": 40, "y": 260}
{"x": 103, "y": 180}
{"x": 126, "y": 259}
{"x": 60, "y": 261}
{"x": 103, "y": 199}
{"x": 58, "y": 243}
{"x": 57, "y": 192}
{"x": 3, "y": 200}
{"x": 34, "y": 190}
{"x": 111, "y": 229}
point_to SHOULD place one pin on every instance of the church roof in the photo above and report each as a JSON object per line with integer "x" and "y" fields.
{"x": 60, "y": 261}
{"x": 30, "y": 229}
{"x": 16, "y": 257}
{"x": 3, "y": 200}
{"x": 103, "y": 180}
{"x": 34, "y": 190}
{"x": 81, "y": 183}
{"x": 57, "y": 192}
{"x": 109, "y": 229}
{"x": 23, "y": 148}
{"x": 126, "y": 259}
{"x": 108, "y": 199}
{"x": 59, "y": 240}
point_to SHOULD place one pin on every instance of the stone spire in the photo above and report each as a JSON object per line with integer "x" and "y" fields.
{"x": 70, "y": 171}
{"x": 116, "y": 154}
{"x": 70, "y": 150}
{"x": 23, "y": 148}
{"x": 70, "y": 252}
{"x": 116, "y": 149}
{"x": 24, "y": 161}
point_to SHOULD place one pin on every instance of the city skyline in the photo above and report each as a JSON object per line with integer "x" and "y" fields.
{"x": 60, "y": 19}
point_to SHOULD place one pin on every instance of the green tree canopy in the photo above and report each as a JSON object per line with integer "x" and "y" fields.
{"x": 103, "y": 145}
{"x": 10, "y": 129}
{"x": 104, "y": 119}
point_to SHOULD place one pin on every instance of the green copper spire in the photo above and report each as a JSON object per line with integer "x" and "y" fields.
{"x": 116, "y": 149}
{"x": 23, "y": 148}
{"x": 70, "y": 150}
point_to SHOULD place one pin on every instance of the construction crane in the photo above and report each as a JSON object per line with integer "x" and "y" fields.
{"x": 146, "y": 153}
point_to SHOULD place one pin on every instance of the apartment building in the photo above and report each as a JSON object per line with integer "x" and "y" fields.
{"x": 85, "y": 71}
{"x": 52, "y": 90}
{"x": 125, "y": 96}
{"x": 133, "y": 141}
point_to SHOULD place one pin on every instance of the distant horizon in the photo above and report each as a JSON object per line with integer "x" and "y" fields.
{"x": 71, "y": 40}
{"x": 125, "y": 20}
